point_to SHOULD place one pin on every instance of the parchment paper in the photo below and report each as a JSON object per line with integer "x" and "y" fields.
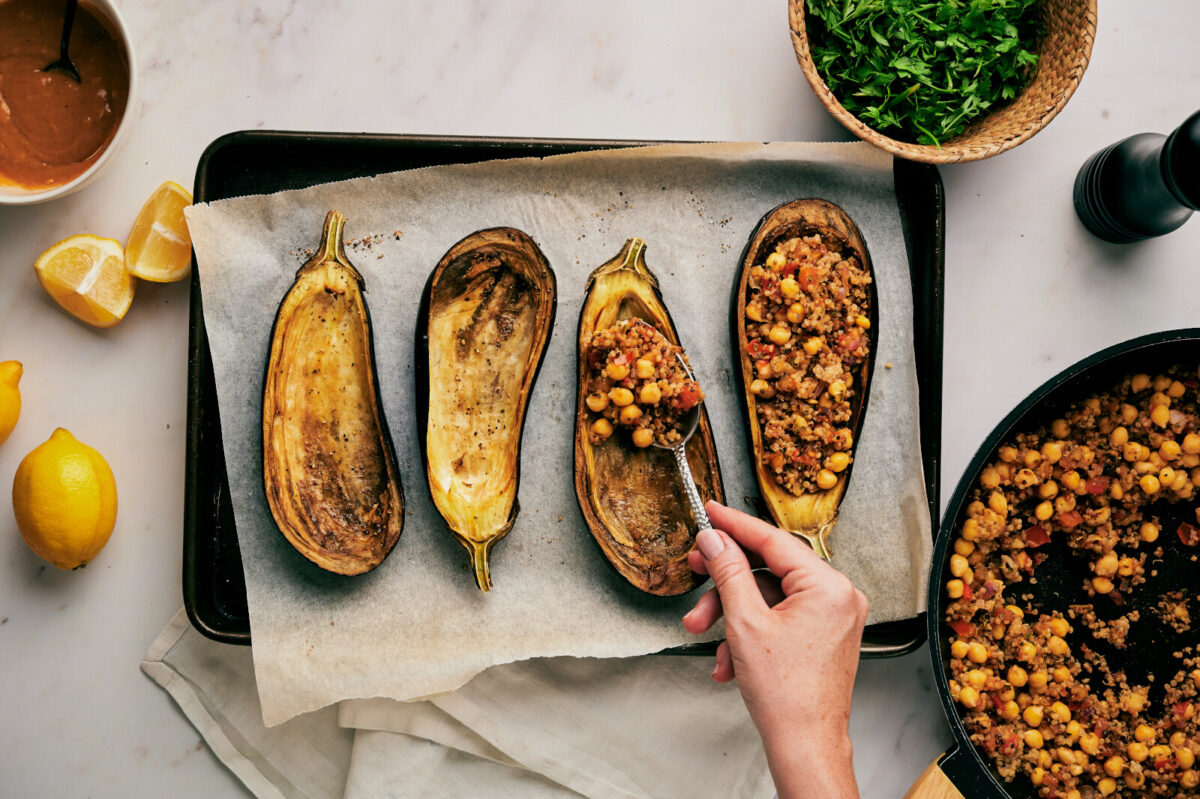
{"x": 417, "y": 625}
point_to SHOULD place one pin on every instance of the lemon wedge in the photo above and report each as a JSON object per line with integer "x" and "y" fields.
{"x": 86, "y": 275}
{"x": 159, "y": 247}
{"x": 10, "y": 397}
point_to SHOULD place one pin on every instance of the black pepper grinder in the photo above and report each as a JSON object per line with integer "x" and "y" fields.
{"x": 1142, "y": 186}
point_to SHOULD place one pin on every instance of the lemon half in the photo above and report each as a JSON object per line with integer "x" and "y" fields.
{"x": 159, "y": 247}
{"x": 10, "y": 397}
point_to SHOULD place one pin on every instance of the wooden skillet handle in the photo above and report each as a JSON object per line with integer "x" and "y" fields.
{"x": 933, "y": 784}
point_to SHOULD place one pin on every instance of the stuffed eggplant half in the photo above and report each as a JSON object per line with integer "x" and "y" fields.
{"x": 329, "y": 468}
{"x": 485, "y": 319}
{"x": 630, "y": 493}
{"x": 804, "y": 320}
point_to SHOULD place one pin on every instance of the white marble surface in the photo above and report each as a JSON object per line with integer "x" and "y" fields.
{"x": 1027, "y": 293}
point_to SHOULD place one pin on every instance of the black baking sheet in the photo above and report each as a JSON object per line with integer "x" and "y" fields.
{"x": 263, "y": 162}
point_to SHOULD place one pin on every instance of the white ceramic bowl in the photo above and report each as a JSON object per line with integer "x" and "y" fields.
{"x": 12, "y": 195}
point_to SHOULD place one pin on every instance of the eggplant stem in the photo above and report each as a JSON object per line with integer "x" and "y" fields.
{"x": 332, "y": 248}
{"x": 478, "y": 551}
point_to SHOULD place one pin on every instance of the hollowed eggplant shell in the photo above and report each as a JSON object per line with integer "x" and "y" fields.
{"x": 486, "y": 315}
{"x": 633, "y": 499}
{"x": 329, "y": 469}
{"x": 811, "y": 516}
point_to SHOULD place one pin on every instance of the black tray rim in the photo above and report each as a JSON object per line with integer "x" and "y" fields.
{"x": 919, "y": 185}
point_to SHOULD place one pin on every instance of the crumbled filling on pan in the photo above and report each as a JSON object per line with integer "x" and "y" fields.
{"x": 637, "y": 381}
{"x": 808, "y": 335}
{"x": 1034, "y": 691}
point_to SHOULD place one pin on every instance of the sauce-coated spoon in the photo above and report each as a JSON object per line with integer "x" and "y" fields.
{"x": 687, "y": 426}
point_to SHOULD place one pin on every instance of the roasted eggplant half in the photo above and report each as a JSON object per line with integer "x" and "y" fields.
{"x": 329, "y": 468}
{"x": 485, "y": 319}
{"x": 632, "y": 497}
{"x": 804, "y": 320}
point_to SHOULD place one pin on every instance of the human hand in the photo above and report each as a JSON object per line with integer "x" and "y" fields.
{"x": 791, "y": 639}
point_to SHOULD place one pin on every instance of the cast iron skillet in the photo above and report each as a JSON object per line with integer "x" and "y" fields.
{"x": 964, "y": 771}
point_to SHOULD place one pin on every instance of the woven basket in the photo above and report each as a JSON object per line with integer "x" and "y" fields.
{"x": 1063, "y": 54}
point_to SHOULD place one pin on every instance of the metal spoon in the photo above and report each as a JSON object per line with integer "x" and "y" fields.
{"x": 687, "y": 427}
{"x": 64, "y": 64}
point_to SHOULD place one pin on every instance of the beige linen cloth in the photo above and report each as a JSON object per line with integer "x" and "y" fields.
{"x": 644, "y": 727}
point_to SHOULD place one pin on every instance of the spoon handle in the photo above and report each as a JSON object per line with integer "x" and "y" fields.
{"x": 68, "y": 21}
{"x": 689, "y": 488}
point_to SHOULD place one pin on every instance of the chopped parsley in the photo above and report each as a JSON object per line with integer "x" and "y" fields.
{"x": 921, "y": 71}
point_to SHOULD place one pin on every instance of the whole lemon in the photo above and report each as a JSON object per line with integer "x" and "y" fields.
{"x": 10, "y": 397}
{"x": 65, "y": 500}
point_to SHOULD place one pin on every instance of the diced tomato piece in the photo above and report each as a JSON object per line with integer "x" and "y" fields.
{"x": 621, "y": 359}
{"x": 1188, "y": 534}
{"x": 849, "y": 341}
{"x": 1098, "y": 484}
{"x": 1070, "y": 519}
{"x": 807, "y": 276}
{"x": 687, "y": 397}
{"x": 596, "y": 357}
{"x": 1036, "y": 536}
{"x": 963, "y": 629}
{"x": 757, "y": 349}
{"x": 1117, "y": 598}
{"x": 1180, "y": 710}
{"x": 1163, "y": 765}
{"x": 968, "y": 594}
{"x": 789, "y": 268}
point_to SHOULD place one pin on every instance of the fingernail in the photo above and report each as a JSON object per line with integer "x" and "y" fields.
{"x": 710, "y": 543}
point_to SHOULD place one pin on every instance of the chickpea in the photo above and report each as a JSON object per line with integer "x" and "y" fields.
{"x": 1175, "y": 390}
{"x": 795, "y": 315}
{"x": 959, "y": 566}
{"x": 1017, "y": 676}
{"x": 826, "y": 479}
{"x": 1090, "y": 743}
{"x": 1059, "y": 428}
{"x": 1191, "y": 444}
{"x": 963, "y": 547}
{"x": 1137, "y": 751}
{"x": 1160, "y": 415}
{"x": 977, "y": 652}
{"x": 1129, "y": 414}
{"x": 1143, "y": 733}
{"x": 1102, "y": 585}
{"x": 1185, "y": 758}
{"x": 650, "y": 394}
{"x": 838, "y": 461}
{"x": 1033, "y": 739}
{"x": 1149, "y": 484}
{"x": 997, "y": 502}
{"x": 1160, "y": 752}
{"x": 968, "y": 697}
{"x": 1107, "y": 565}
{"x": 1133, "y": 703}
{"x": 1010, "y": 710}
{"x": 1071, "y": 480}
{"x": 602, "y": 429}
{"x": 976, "y": 678}
{"x": 761, "y": 388}
{"x": 1033, "y": 715}
{"x": 789, "y": 288}
{"x": 621, "y": 396}
{"x": 862, "y": 321}
{"x": 775, "y": 261}
{"x": 1052, "y": 451}
{"x": 617, "y": 371}
{"x": 643, "y": 437}
{"x": 1038, "y": 680}
{"x": 958, "y": 649}
{"x": 780, "y": 335}
{"x": 643, "y": 368}
{"x": 1061, "y": 712}
{"x": 954, "y": 589}
{"x": 1114, "y": 766}
{"x": 630, "y": 414}
{"x": 1107, "y": 786}
{"x": 754, "y": 312}
{"x": 1169, "y": 450}
{"x": 1008, "y": 454}
{"x": 1139, "y": 382}
{"x": 989, "y": 478}
{"x": 1059, "y": 626}
{"x": 1189, "y": 778}
{"x": 1119, "y": 437}
{"x": 843, "y": 438}
{"x": 1026, "y": 651}
{"x": 1148, "y": 532}
{"x": 813, "y": 345}
{"x": 596, "y": 401}
{"x": 1057, "y": 646}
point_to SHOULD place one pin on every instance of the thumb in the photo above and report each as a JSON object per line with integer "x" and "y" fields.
{"x": 730, "y": 571}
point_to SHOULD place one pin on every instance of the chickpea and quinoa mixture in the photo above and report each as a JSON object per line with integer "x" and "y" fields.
{"x": 1035, "y": 691}
{"x": 808, "y": 334}
{"x": 637, "y": 382}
